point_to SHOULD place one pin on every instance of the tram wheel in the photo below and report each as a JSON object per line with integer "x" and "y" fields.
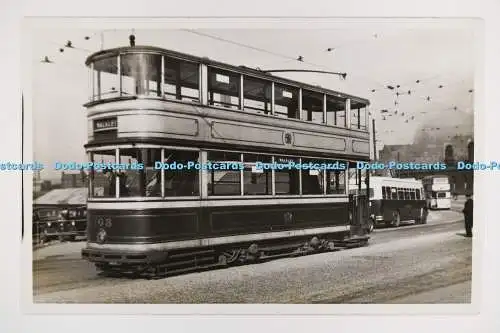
{"x": 396, "y": 219}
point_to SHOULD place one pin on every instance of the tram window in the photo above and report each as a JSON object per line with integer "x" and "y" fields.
{"x": 335, "y": 182}
{"x": 133, "y": 183}
{"x": 286, "y": 178}
{"x": 226, "y": 179}
{"x": 312, "y": 179}
{"x": 386, "y": 192}
{"x": 181, "y": 183}
{"x": 106, "y": 82}
{"x": 103, "y": 180}
{"x": 286, "y": 101}
{"x": 335, "y": 111}
{"x": 394, "y": 193}
{"x": 412, "y": 194}
{"x": 417, "y": 193}
{"x": 223, "y": 88}
{"x": 312, "y": 106}
{"x": 407, "y": 193}
{"x": 257, "y": 180}
{"x": 141, "y": 74}
{"x": 358, "y": 116}
{"x": 401, "y": 194}
{"x": 256, "y": 95}
{"x": 182, "y": 80}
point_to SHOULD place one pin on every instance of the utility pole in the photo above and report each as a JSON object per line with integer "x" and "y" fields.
{"x": 374, "y": 141}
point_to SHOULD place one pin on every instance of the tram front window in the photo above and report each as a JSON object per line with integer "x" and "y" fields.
{"x": 144, "y": 182}
{"x": 103, "y": 181}
{"x": 141, "y": 74}
{"x": 105, "y": 83}
{"x": 335, "y": 182}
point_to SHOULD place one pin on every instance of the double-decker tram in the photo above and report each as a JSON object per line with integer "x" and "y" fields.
{"x": 212, "y": 164}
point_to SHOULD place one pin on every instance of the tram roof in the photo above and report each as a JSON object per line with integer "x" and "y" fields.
{"x": 205, "y": 60}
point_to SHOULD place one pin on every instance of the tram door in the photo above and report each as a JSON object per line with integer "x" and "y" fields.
{"x": 359, "y": 203}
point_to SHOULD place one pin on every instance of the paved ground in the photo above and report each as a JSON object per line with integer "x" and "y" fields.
{"x": 417, "y": 264}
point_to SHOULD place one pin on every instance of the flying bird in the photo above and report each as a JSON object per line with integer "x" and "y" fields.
{"x": 46, "y": 60}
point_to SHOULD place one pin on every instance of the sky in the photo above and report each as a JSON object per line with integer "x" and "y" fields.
{"x": 373, "y": 57}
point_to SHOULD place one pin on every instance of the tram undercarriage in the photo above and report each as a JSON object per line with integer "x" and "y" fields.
{"x": 157, "y": 264}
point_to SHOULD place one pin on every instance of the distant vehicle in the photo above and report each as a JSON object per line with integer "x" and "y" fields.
{"x": 51, "y": 223}
{"x": 438, "y": 192}
{"x": 396, "y": 200}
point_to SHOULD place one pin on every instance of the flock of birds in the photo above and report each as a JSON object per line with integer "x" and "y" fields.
{"x": 383, "y": 114}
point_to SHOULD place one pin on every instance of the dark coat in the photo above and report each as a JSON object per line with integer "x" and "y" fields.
{"x": 468, "y": 208}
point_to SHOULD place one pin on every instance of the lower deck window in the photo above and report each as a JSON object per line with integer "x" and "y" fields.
{"x": 224, "y": 177}
{"x": 169, "y": 173}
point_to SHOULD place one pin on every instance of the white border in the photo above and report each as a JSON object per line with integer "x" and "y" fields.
{"x": 245, "y": 23}
{"x": 485, "y": 280}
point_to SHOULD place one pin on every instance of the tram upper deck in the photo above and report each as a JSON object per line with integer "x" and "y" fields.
{"x": 154, "y": 95}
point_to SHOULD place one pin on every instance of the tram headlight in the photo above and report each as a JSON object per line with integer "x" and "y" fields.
{"x": 49, "y": 224}
{"x": 73, "y": 223}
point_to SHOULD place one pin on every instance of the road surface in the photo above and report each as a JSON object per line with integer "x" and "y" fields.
{"x": 413, "y": 264}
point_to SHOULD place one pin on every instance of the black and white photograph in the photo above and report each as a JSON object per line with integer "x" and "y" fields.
{"x": 329, "y": 162}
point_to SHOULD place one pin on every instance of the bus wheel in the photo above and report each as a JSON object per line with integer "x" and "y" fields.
{"x": 396, "y": 219}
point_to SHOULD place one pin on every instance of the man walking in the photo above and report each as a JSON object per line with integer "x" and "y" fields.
{"x": 468, "y": 215}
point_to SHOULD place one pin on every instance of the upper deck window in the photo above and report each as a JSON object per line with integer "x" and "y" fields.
{"x": 335, "y": 111}
{"x": 182, "y": 80}
{"x": 223, "y": 88}
{"x": 257, "y": 95}
{"x": 105, "y": 79}
{"x": 312, "y": 106}
{"x": 286, "y": 101}
{"x": 141, "y": 74}
{"x": 358, "y": 116}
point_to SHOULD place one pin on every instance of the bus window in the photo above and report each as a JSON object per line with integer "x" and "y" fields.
{"x": 394, "y": 193}
{"x": 224, "y": 182}
{"x": 412, "y": 194}
{"x": 223, "y": 88}
{"x": 255, "y": 181}
{"x": 335, "y": 182}
{"x": 401, "y": 194}
{"x": 417, "y": 192}
{"x": 312, "y": 106}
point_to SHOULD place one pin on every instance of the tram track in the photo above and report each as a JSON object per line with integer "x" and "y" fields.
{"x": 56, "y": 274}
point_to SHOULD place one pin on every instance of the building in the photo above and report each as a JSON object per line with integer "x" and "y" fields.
{"x": 71, "y": 180}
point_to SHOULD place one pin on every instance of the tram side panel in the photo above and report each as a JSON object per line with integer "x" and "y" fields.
{"x": 150, "y": 226}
